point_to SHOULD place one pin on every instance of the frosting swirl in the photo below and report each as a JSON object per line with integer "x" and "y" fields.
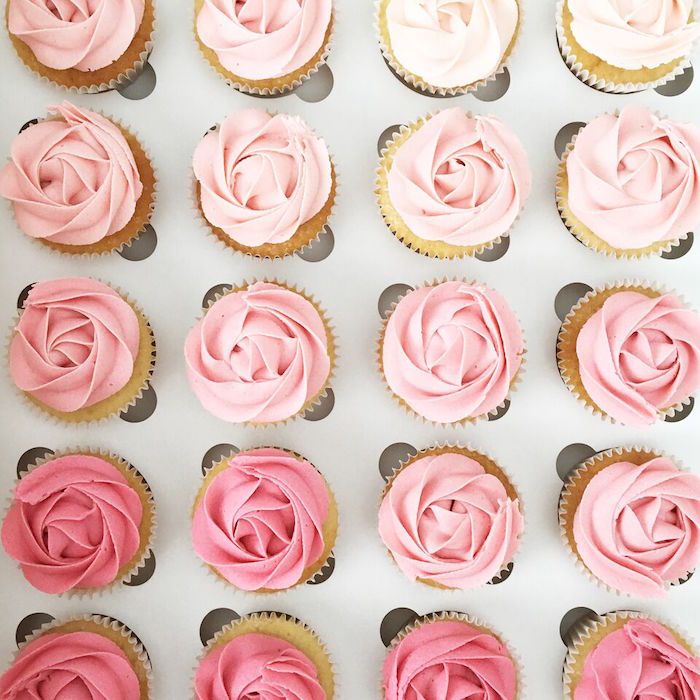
{"x": 261, "y": 177}
{"x": 451, "y": 43}
{"x": 59, "y": 665}
{"x": 447, "y": 660}
{"x": 634, "y": 179}
{"x": 259, "y": 39}
{"x": 74, "y": 344}
{"x": 460, "y": 179}
{"x": 72, "y": 180}
{"x": 258, "y": 354}
{"x": 81, "y": 35}
{"x": 451, "y": 351}
{"x": 639, "y": 355}
{"x": 641, "y": 660}
{"x": 257, "y": 666}
{"x": 444, "y": 519}
{"x": 73, "y": 523}
{"x": 634, "y": 34}
{"x": 260, "y": 521}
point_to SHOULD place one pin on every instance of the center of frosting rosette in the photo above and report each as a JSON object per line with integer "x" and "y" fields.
{"x": 261, "y": 176}
{"x": 449, "y": 660}
{"x": 259, "y": 522}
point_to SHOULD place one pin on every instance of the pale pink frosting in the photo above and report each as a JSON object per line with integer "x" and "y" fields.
{"x": 448, "y": 660}
{"x": 634, "y": 34}
{"x": 258, "y": 355}
{"x": 257, "y": 666}
{"x": 262, "y": 176}
{"x": 71, "y": 180}
{"x": 634, "y": 179}
{"x": 452, "y": 350}
{"x": 73, "y": 523}
{"x": 81, "y": 34}
{"x": 260, "y": 521}
{"x": 70, "y": 666}
{"x": 75, "y": 343}
{"x": 637, "y": 528}
{"x": 446, "y": 520}
{"x": 642, "y": 660}
{"x": 460, "y": 179}
{"x": 638, "y": 356}
{"x": 263, "y": 39}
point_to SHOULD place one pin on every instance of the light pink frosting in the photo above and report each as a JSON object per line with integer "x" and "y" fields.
{"x": 71, "y": 180}
{"x": 634, "y": 179}
{"x": 262, "y": 176}
{"x": 459, "y": 179}
{"x": 257, "y": 666}
{"x": 81, "y": 34}
{"x": 73, "y": 523}
{"x": 446, "y": 520}
{"x": 263, "y": 39}
{"x": 258, "y": 355}
{"x": 637, "y": 528}
{"x": 75, "y": 343}
{"x": 260, "y": 521}
{"x": 638, "y": 356}
{"x": 70, "y": 666}
{"x": 642, "y": 660}
{"x": 448, "y": 660}
{"x": 451, "y": 351}
{"x": 451, "y": 43}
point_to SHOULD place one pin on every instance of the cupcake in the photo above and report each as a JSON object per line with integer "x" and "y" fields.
{"x": 80, "y": 351}
{"x": 622, "y": 48}
{"x": 83, "y": 657}
{"x": 450, "y": 518}
{"x": 629, "y": 655}
{"x": 262, "y": 48}
{"x": 447, "y": 48}
{"x": 264, "y": 520}
{"x": 89, "y": 47}
{"x": 450, "y": 352}
{"x": 449, "y": 651}
{"x": 79, "y": 522}
{"x": 629, "y": 183}
{"x": 453, "y": 184}
{"x": 265, "y": 655}
{"x": 630, "y": 353}
{"x": 97, "y": 204}
{"x": 265, "y": 184}
{"x": 262, "y": 353}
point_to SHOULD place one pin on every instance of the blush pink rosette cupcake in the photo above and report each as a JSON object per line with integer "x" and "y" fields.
{"x": 629, "y": 183}
{"x": 630, "y": 353}
{"x": 262, "y": 353}
{"x": 451, "y": 351}
{"x": 265, "y": 184}
{"x": 451, "y": 518}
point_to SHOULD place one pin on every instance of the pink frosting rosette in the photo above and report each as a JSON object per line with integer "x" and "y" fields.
{"x": 451, "y": 351}
{"x": 71, "y": 180}
{"x": 260, "y": 354}
{"x": 259, "y": 522}
{"x": 446, "y": 520}
{"x": 73, "y": 524}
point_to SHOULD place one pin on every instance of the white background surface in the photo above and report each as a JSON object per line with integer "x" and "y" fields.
{"x": 167, "y": 448}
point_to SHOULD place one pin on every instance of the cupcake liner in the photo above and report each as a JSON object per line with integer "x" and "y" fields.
{"x": 118, "y": 74}
{"x": 382, "y": 32}
{"x": 490, "y": 466}
{"x": 270, "y": 87}
{"x": 330, "y": 528}
{"x": 514, "y": 382}
{"x": 637, "y": 81}
{"x": 567, "y": 360}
